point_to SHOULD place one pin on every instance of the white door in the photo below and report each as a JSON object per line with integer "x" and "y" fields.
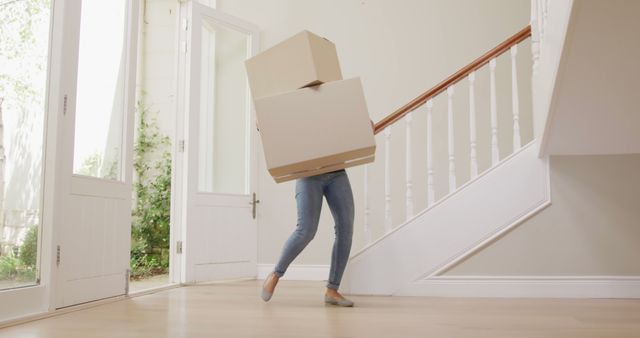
{"x": 95, "y": 184}
{"x": 218, "y": 168}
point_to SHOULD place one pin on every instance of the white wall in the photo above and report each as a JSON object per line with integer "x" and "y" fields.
{"x": 592, "y": 227}
{"x": 399, "y": 49}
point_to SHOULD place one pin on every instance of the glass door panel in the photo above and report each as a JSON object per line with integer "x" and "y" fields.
{"x": 224, "y": 111}
{"x": 24, "y": 57}
{"x": 101, "y": 89}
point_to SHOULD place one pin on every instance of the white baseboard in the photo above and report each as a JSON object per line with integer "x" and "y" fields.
{"x": 297, "y": 272}
{"x": 526, "y": 287}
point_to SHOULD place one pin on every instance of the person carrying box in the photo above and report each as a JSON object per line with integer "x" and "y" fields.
{"x": 313, "y": 125}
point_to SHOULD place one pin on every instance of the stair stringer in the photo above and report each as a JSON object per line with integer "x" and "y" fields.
{"x": 457, "y": 225}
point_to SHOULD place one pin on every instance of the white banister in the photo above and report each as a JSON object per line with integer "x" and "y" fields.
{"x": 477, "y": 124}
{"x": 387, "y": 180}
{"x": 408, "y": 165}
{"x": 472, "y": 126}
{"x": 515, "y": 102}
{"x": 367, "y": 209}
{"x": 430, "y": 183}
{"x": 495, "y": 151}
{"x": 452, "y": 158}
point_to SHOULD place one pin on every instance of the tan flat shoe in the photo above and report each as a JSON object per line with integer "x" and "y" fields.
{"x": 338, "y": 302}
{"x": 266, "y": 295}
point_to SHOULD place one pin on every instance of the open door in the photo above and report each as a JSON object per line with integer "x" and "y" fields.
{"x": 217, "y": 169}
{"x": 94, "y": 183}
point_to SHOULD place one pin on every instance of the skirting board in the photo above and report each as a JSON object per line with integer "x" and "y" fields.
{"x": 297, "y": 272}
{"x": 526, "y": 287}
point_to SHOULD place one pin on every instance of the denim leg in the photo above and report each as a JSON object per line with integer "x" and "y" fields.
{"x": 309, "y": 200}
{"x": 340, "y": 200}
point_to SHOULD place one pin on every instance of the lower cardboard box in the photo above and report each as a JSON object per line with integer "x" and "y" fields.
{"x": 315, "y": 130}
{"x": 292, "y": 175}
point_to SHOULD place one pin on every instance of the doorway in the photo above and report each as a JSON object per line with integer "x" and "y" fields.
{"x": 151, "y": 213}
{"x": 154, "y": 147}
{"x": 218, "y": 179}
{"x": 216, "y": 168}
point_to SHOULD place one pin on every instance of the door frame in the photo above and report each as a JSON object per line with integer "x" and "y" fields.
{"x": 179, "y": 199}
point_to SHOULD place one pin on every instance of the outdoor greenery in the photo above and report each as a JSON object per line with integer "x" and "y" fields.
{"x": 95, "y": 164}
{"x": 150, "y": 228}
{"x": 21, "y": 265}
{"x": 19, "y": 21}
{"x": 9, "y": 267}
{"x": 28, "y": 252}
{"x": 91, "y": 165}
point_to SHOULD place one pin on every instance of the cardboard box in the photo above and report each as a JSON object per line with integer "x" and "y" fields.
{"x": 315, "y": 130}
{"x": 300, "y": 61}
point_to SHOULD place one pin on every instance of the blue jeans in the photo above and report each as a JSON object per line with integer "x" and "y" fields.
{"x": 336, "y": 188}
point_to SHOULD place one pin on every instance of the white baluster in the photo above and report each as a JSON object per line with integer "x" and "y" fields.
{"x": 535, "y": 20}
{"x": 388, "y": 225}
{"x": 495, "y": 151}
{"x": 431, "y": 196}
{"x": 535, "y": 57}
{"x": 541, "y": 18}
{"x": 408, "y": 165}
{"x": 452, "y": 158}
{"x": 367, "y": 210}
{"x": 472, "y": 125}
{"x": 515, "y": 102}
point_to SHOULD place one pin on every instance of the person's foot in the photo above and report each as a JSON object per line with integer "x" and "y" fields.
{"x": 269, "y": 286}
{"x": 333, "y": 297}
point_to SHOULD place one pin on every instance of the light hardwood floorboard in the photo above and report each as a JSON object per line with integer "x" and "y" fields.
{"x": 297, "y": 310}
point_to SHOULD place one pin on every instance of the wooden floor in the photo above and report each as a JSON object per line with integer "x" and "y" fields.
{"x": 297, "y": 310}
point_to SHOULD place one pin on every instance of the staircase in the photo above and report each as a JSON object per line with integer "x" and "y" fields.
{"x": 470, "y": 215}
{"x": 453, "y": 228}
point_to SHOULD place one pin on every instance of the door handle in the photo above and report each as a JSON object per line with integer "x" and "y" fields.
{"x": 254, "y": 203}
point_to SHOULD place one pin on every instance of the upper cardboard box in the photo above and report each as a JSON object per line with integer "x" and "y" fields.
{"x": 303, "y": 60}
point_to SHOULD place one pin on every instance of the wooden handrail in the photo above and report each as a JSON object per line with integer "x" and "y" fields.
{"x": 459, "y": 75}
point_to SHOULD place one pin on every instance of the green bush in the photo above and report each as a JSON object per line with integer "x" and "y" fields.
{"x": 9, "y": 267}
{"x": 27, "y": 274}
{"x": 28, "y": 252}
{"x": 151, "y": 214}
{"x": 20, "y": 263}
